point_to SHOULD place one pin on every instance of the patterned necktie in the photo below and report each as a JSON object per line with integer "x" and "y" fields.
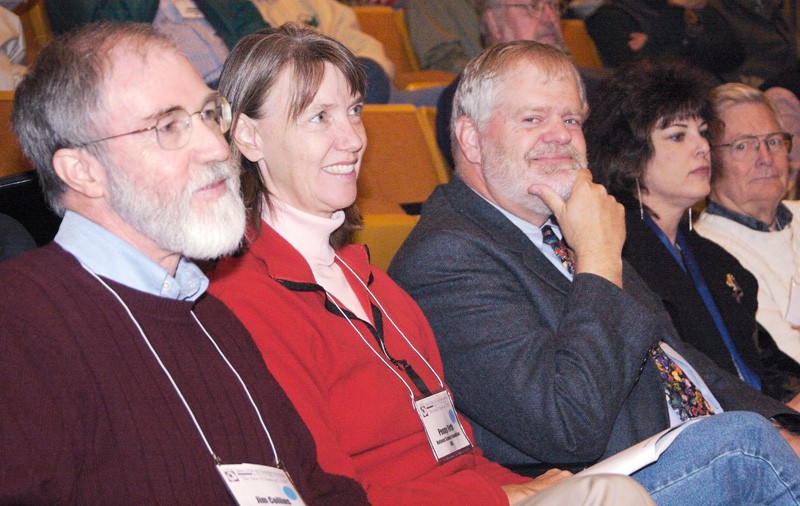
{"x": 559, "y": 247}
{"x": 684, "y": 397}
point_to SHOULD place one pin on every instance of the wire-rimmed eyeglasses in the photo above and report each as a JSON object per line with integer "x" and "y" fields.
{"x": 532, "y": 9}
{"x": 174, "y": 127}
{"x": 746, "y": 147}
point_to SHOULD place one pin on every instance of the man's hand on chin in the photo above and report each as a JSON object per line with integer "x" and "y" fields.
{"x": 593, "y": 224}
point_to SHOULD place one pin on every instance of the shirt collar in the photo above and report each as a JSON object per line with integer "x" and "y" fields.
{"x": 109, "y": 256}
{"x": 783, "y": 218}
{"x": 285, "y": 263}
{"x": 534, "y": 234}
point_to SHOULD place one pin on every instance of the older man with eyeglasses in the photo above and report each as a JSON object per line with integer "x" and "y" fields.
{"x": 121, "y": 380}
{"x": 745, "y": 214}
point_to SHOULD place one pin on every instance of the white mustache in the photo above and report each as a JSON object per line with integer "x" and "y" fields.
{"x": 217, "y": 171}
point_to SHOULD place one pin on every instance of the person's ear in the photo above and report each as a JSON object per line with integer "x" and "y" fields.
{"x": 248, "y": 138}
{"x": 468, "y": 139}
{"x": 80, "y": 171}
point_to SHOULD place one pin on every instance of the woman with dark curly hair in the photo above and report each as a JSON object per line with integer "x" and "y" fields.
{"x": 647, "y": 143}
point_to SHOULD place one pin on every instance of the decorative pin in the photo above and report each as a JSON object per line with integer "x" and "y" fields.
{"x": 734, "y": 286}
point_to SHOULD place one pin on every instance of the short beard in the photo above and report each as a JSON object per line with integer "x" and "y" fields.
{"x": 166, "y": 215}
{"x": 502, "y": 173}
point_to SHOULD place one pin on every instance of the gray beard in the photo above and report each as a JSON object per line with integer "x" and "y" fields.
{"x": 502, "y": 174}
{"x": 167, "y": 217}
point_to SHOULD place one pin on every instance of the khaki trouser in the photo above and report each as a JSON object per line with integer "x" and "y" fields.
{"x": 601, "y": 489}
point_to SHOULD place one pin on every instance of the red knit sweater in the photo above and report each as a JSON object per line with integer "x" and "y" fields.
{"x": 360, "y": 414}
{"x": 88, "y": 417}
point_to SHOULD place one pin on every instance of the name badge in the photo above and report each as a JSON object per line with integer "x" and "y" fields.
{"x": 793, "y": 311}
{"x": 187, "y": 9}
{"x": 445, "y": 433}
{"x": 254, "y": 484}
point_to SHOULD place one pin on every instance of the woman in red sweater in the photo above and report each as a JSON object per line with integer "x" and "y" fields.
{"x": 351, "y": 349}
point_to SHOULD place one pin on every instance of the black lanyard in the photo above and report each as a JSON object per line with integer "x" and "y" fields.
{"x": 377, "y": 333}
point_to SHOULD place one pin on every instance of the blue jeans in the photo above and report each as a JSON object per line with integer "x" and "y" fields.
{"x": 729, "y": 458}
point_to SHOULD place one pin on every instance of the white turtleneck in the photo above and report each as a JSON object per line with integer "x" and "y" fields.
{"x": 310, "y": 236}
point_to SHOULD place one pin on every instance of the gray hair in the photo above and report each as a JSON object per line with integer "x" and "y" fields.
{"x": 477, "y": 91}
{"x": 482, "y": 6}
{"x": 722, "y": 98}
{"x": 725, "y": 96}
{"x": 56, "y": 104}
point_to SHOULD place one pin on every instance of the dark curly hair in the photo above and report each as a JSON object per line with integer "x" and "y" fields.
{"x": 626, "y": 109}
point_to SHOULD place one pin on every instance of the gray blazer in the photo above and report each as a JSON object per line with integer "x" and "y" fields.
{"x": 547, "y": 371}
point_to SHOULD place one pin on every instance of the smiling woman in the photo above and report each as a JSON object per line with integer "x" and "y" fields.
{"x": 350, "y": 348}
{"x": 647, "y": 139}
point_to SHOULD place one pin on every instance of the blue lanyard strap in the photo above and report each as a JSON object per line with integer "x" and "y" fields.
{"x": 687, "y": 262}
{"x": 664, "y": 240}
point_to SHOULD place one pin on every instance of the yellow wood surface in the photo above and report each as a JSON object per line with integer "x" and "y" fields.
{"x": 402, "y": 163}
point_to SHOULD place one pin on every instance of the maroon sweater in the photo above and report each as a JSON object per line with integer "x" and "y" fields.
{"x": 88, "y": 417}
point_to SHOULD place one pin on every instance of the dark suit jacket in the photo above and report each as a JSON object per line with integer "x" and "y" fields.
{"x": 545, "y": 370}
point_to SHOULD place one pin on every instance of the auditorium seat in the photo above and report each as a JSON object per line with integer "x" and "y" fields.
{"x": 389, "y": 27}
{"x": 384, "y": 234}
{"x": 21, "y": 198}
{"x": 35, "y": 26}
{"x": 11, "y": 159}
{"x": 402, "y": 164}
{"x": 580, "y": 44}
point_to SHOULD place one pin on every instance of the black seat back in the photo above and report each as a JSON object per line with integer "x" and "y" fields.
{"x": 21, "y": 198}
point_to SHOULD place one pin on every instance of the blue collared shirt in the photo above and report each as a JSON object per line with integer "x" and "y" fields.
{"x": 109, "y": 256}
{"x": 783, "y": 217}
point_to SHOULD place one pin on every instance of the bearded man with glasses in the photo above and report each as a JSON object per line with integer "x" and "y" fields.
{"x": 746, "y": 215}
{"x": 121, "y": 380}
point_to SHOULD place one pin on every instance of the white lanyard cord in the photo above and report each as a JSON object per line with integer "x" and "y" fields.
{"x": 388, "y": 317}
{"x": 172, "y": 381}
{"x": 244, "y": 387}
{"x": 382, "y": 359}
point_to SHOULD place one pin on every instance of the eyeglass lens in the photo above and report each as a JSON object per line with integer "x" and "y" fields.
{"x": 747, "y": 147}
{"x": 174, "y": 128}
{"x": 536, "y": 8}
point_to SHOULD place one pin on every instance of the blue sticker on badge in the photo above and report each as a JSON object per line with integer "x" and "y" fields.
{"x": 290, "y": 493}
{"x": 452, "y": 416}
